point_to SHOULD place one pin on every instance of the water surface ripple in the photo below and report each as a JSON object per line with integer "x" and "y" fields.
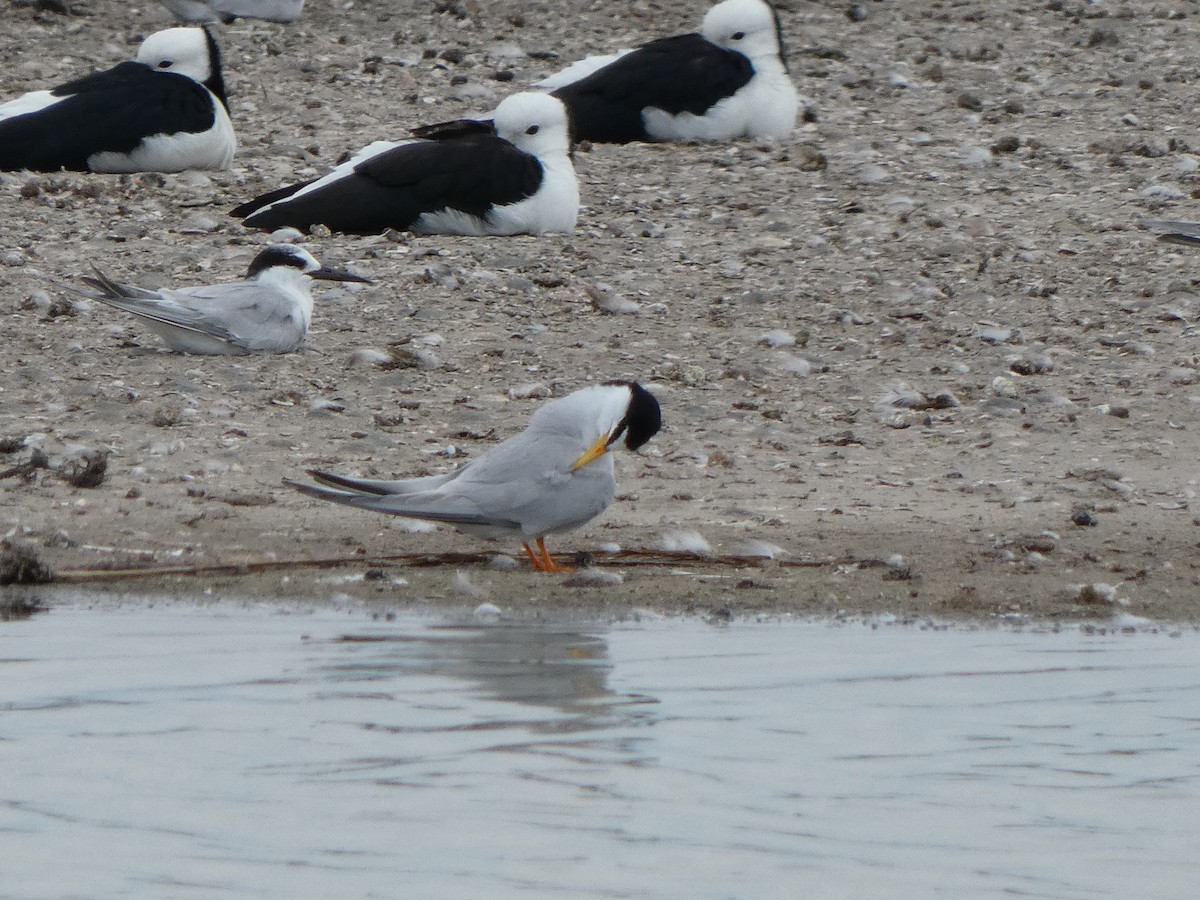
{"x": 243, "y": 752}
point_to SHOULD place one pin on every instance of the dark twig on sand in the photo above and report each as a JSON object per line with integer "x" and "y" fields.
{"x": 37, "y": 460}
{"x": 428, "y": 560}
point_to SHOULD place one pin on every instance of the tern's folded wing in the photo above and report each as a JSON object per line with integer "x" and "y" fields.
{"x": 428, "y": 505}
{"x": 380, "y": 487}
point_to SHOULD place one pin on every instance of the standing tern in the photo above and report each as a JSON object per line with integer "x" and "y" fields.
{"x": 729, "y": 81}
{"x": 1174, "y": 232}
{"x": 269, "y": 312}
{"x": 164, "y": 112}
{"x": 555, "y": 475}
{"x": 512, "y": 175}
{"x": 200, "y": 11}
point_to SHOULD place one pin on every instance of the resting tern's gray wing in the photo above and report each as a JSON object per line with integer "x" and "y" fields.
{"x": 258, "y": 316}
{"x": 114, "y": 289}
{"x": 246, "y": 316}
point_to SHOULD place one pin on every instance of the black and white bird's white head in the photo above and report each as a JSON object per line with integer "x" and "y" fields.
{"x": 287, "y": 260}
{"x": 603, "y": 415}
{"x": 192, "y": 52}
{"x": 749, "y": 27}
{"x": 533, "y": 122}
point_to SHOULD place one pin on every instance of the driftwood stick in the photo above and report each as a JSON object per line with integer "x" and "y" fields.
{"x": 92, "y": 574}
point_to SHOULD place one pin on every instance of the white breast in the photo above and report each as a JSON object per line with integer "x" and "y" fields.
{"x": 212, "y": 149}
{"x": 766, "y": 107}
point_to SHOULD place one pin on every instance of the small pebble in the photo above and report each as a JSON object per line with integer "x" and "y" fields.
{"x": 502, "y": 562}
{"x": 593, "y": 578}
{"x": 533, "y": 390}
{"x": 778, "y": 338}
{"x": 970, "y": 100}
{"x": 487, "y": 613}
{"x": 684, "y": 541}
{"x": 613, "y": 304}
{"x": 287, "y": 235}
{"x": 1004, "y": 387}
{"x": 369, "y": 356}
{"x": 1097, "y": 592}
{"x": 461, "y": 583}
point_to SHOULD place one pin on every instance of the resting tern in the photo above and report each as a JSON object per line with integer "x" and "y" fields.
{"x": 268, "y": 312}
{"x": 555, "y": 475}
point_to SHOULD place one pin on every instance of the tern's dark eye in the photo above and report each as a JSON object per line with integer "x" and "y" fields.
{"x": 738, "y": 35}
{"x": 165, "y": 64}
{"x": 532, "y": 129}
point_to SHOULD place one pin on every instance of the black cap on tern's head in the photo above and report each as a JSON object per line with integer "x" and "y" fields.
{"x": 289, "y": 256}
{"x": 643, "y": 416}
{"x": 601, "y": 415}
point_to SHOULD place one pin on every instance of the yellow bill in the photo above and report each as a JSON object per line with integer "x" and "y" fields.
{"x": 592, "y": 454}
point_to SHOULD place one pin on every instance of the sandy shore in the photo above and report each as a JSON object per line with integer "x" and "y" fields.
{"x": 920, "y": 354}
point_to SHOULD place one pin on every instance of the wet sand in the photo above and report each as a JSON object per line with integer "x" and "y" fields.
{"x": 920, "y": 353}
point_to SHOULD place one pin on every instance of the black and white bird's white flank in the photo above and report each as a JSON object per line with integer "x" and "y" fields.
{"x": 198, "y": 12}
{"x": 729, "y": 81}
{"x": 510, "y": 176}
{"x": 269, "y": 312}
{"x": 554, "y": 476}
{"x": 164, "y": 112}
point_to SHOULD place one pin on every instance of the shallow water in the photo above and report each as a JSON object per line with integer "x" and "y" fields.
{"x": 243, "y": 751}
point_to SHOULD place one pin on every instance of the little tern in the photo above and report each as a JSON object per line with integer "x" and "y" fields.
{"x": 554, "y": 476}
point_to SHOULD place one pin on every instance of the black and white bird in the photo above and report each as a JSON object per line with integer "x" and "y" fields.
{"x": 728, "y": 81}
{"x": 510, "y": 176}
{"x": 268, "y": 312}
{"x": 201, "y": 11}
{"x": 554, "y": 476}
{"x": 164, "y": 112}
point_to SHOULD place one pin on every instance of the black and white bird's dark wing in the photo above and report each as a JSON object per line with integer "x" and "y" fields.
{"x": 455, "y": 128}
{"x": 108, "y": 112}
{"x": 676, "y": 74}
{"x": 164, "y": 112}
{"x": 395, "y": 187}
{"x": 726, "y": 82}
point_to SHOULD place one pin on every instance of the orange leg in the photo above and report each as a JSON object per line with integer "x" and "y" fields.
{"x": 548, "y": 564}
{"x": 533, "y": 560}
